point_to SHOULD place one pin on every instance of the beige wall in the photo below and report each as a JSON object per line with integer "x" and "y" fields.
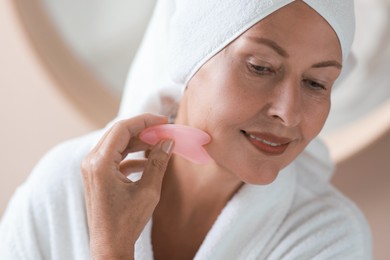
{"x": 35, "y": 115}
{"x": 365, "y": 178}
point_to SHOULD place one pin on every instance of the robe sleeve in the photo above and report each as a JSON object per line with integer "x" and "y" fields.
{"x": 46, "y": 219}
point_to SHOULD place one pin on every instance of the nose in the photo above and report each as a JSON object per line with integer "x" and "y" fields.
{"x": 286, "y": 103}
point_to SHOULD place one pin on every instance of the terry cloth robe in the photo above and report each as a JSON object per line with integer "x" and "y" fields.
{"x": 299, "y": 216}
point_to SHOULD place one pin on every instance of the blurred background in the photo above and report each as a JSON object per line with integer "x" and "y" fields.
{"x": 63, "y": 65}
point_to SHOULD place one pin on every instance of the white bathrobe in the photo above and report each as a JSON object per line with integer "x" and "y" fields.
{"x": 299, "y": 216}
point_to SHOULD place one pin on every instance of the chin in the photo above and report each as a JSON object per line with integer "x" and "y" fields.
{"x": 265, "y": 177}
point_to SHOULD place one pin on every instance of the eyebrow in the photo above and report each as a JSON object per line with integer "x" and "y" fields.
{"x": 329, "y": 63}
{"x": 270, "y": 43}
{"x": 278, "y": 49}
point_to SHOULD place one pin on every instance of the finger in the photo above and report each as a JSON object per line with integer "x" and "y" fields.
{"x": 135, "y": 145}
{"x": 111, "y": 148}
{"x": 119, "y": 137}
{"x": 147, "y": 152}
{"x": 157, "y": 164}
{"x": 143, "y": 121}
{"x": 130, "y": 166}
{"x": 149, "y": 120}
{"x": 87, "y": 192}
{"x": 97, "y": 146}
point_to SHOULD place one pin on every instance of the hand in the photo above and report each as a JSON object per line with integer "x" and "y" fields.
{"x": 117, "y": 208}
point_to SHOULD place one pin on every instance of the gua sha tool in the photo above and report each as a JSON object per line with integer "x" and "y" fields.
{"x": 189, "y": 141}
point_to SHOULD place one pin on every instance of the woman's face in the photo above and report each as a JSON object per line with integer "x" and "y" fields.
{"x": 266, "y": 95}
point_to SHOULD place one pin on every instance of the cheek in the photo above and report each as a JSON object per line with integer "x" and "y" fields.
{"x": 233, "y": 98}
{"x": 315, "y": 119}
{"x": 220, "y": 102}
{"x": 206, "y": 108}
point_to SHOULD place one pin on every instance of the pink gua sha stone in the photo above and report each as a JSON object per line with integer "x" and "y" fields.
{"x": 189, "y": 141}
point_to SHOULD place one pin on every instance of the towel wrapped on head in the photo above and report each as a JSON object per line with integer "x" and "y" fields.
{"x": 184, "y": 34}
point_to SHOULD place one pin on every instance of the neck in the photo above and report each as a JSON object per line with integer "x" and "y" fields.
{"x": 189, "y": 187}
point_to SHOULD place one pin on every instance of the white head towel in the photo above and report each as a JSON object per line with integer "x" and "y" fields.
{"x": 184, "y": 34}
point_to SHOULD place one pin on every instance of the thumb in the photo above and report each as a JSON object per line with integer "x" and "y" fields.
{"x": 157, "y": 164}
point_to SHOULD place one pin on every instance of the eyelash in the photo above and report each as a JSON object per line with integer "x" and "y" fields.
{"x": 314, "y": 85}
{"x": 260, "y": 70}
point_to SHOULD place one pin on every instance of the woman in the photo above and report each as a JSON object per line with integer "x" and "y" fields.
{"x": 258, "y": 80}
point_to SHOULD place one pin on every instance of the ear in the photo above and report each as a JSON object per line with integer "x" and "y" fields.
{"x": 169, "y": 107}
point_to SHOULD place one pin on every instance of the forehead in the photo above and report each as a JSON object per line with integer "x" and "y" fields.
{"x": 297, "y": 25}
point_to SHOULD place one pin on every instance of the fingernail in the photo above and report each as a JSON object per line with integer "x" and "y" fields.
{"x": 167, "y": 146}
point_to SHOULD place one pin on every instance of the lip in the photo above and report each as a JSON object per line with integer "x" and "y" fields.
{"x": 267, "y": 143}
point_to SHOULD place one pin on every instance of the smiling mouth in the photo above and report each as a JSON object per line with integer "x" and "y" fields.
{"x": 267, "y": 143}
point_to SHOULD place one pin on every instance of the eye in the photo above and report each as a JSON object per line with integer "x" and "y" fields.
{"x": 314, "y": 85}
{"x": 260, "y": 70}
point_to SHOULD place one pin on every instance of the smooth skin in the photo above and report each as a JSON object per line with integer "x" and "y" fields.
{"x": 276, "y": 78}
